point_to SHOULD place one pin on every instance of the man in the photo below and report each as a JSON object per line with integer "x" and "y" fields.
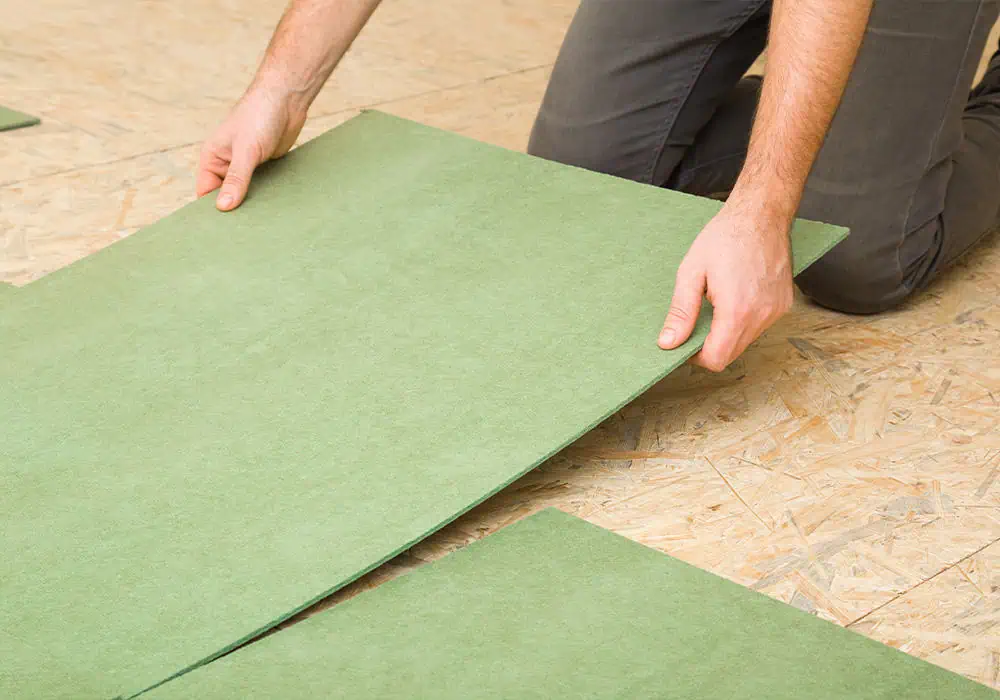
{"x": 652, "y": 90}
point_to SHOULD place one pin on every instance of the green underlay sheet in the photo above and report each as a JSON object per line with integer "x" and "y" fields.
{"x": 10, "y": 119}
{"x": 224, "y": 417}
{"x": 553, "y": 607}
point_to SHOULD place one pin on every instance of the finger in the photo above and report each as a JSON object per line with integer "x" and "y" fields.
{"x": 684, "y": 307}
{"x": 237, "y": 180}
{"x": 728, "y": 339}
{"x": 206, "y": 182}
{"x": 211, "y": 169}
{"x": 755, "y": 327}
{"x": 721, "y": 345}
{"x": 728, "y": 355}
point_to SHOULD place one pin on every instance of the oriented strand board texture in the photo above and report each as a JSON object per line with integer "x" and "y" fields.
{"x": 227, "y": 416}
{"x": 951, "y": 618}
{"x": 553, "y": 607}
{"x": 861, "y": 533}
{"x": 172, "y": 69}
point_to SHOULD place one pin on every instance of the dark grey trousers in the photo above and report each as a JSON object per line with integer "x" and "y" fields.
{"x": 651, "y": 90}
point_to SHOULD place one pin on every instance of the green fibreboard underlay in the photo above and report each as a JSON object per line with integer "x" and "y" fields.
{"x": 553, "y": 607}
{"x": 221, "y": 419}
{"x": 11, "y": 119}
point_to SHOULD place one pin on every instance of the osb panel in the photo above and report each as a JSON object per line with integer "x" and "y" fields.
{"x": 117, "y": 79}
{"x": 50, "y": 222}
{"x": 953, "y": 620}
{"x": 992, "y": 44}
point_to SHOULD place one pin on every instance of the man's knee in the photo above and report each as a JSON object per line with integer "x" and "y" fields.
{"x": 854, "y": 280}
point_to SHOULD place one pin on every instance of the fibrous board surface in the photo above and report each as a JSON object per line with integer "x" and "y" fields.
{"x": 219, "y": 420}
{"x": 11, "y": 119}
{"x": 553, "y": 607}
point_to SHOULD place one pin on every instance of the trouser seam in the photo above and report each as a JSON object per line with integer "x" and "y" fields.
{"x": 707, "y": 52}
{"x": 930, "y": 157}
{"x": 716, "y": 161}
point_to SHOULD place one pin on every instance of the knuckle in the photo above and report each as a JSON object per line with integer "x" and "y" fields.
{"x": 715, "y": 365}
{"x": 678, "y": 314}
{"x": 769, "y": 310}
{"x": 214, "y": 147}
{"x": 779, "y": 306}
{"x": 253, "y": 150}
{"x": 234, "y": 179}
{"x": 713, "y": 358}
{"x": 690, "y": 268}
{"x": 736, "y": 315}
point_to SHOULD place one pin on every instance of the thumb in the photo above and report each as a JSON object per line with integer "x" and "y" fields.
{"x": 684, "y": 308}
{"x": 234, "y": 186}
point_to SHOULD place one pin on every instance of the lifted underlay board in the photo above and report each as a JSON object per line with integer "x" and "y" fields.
{"x": 223, "y": 418}
{"x": 553, "y": 607}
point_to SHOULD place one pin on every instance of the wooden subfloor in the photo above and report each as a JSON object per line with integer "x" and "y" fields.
{"x": 848, "y": 466}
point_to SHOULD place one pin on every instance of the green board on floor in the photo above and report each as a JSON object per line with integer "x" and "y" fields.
{"x": 553, "y": 607}
{"x": 224, "y": 417}
{"x": 10, "y": 119}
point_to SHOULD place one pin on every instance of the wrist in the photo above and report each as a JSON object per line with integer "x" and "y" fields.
{"x": 276, "y": 86}
{"x": 768, "y": 189}
{"x": 768, "y": 212}
{"x": 762, "y": 224}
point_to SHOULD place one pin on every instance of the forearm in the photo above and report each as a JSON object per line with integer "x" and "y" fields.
{"x": 311, "y": 38}
{"x": 811, "y": 50}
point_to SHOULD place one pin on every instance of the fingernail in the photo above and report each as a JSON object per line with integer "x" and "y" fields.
{"x": 226, "y": 201}
{"x": 666, "y": 338}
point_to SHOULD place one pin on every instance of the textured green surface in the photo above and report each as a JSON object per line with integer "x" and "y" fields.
{"x": 554, "y": 607}
{"x": 221, "y": 419}
{"x": 9, "y": 119}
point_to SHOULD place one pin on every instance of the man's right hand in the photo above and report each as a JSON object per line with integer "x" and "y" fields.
{"x": 263, "y": 125}
{"x": 310, "y": 39}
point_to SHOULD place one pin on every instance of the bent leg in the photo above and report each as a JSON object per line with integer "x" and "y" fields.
{"x": 910, "y": 164}
{"x": 635, "y": 82}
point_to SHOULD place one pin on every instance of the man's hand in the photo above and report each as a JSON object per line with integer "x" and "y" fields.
{"x": 741, "y": 261}
{"x": 309, "y": 41}
{"x": 263, "y": 125}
